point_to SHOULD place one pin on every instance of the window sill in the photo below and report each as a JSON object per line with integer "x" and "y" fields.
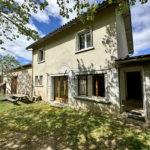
{"x": 38, "y": 85}
{"x": 41, "y": 61}
{"x": 83, "y": 50}
{"x": 94, "y": 99}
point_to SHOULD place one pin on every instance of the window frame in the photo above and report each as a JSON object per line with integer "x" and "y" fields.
{"x": 96, "y": 84}
{"x": 40, "y": 84}
{"x": 36, "y": 81}
{"x": 37, "y": 84}
{"x": 39, "y": 56}
{"x": 77, "y": 40}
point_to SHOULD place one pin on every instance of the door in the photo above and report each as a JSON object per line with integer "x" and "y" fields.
{"x": 61, "y": 89}
{"x": 134, "y": 88}
{"x": 14, "y": 86}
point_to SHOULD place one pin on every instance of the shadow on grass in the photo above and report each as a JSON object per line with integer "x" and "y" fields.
{"x": 40, "y": 127}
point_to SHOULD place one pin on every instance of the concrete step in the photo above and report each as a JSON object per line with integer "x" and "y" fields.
{"x": 58, "y": 104}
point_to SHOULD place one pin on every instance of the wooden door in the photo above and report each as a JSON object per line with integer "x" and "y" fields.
{"x": 14, "y": 86}
{"x": 61, "y": 89}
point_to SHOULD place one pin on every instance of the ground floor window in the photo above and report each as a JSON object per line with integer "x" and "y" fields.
{"x": 61, "y": 89}
{"x": 91, "y": 85}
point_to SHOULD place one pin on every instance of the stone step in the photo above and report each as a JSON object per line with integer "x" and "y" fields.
{"x": 58, "y": 104}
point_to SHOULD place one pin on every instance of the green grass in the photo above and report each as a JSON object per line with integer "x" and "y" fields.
{"x": 37, "y": 126}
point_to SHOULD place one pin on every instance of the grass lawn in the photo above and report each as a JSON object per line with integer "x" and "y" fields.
{"x": 32, "y": 126}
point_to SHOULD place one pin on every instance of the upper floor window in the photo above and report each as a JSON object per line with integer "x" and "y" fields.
{"x": 41, "y": 55}
{"x": 84, "y": 40}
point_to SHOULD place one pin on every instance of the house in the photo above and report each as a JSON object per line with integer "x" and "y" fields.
{"x": 81, "y": 64}
{"x": 21, "y": 81}
{"x": 134, "y": 75}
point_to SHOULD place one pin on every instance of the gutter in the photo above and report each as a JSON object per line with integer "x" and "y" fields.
{"x": 132, "y": 60}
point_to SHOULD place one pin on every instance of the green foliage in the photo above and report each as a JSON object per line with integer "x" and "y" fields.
{"x": 15, "y": 17}
{"x": 9, "y": 68}
{"x": 81, "y": 6}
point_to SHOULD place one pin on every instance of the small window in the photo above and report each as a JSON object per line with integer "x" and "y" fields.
{"x": 92, "y": 85}
{"x": 41, "y": 55}
{"x": 85, "y": 40}
{"x": 41, "y": 80}
{"x": 36, "y": 80}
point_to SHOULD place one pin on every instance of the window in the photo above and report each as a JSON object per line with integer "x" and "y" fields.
{"x": 41, "y": 80}
{"x": 92, "y": 85}
{"x": 38, "y": 80}
{"x": 84, "y": 39}
{"x": 41, "y": 55}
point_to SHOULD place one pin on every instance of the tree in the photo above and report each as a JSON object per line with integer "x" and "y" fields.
{"x": 9, "y": 70}
{"x": 15, "y": 17}
{"x": 82, "y": 6}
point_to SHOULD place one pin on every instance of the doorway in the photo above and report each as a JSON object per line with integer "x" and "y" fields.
{"x": 134, "y": 88}
{"x": 61, "y": 89}
{"x": 14, "y": 86}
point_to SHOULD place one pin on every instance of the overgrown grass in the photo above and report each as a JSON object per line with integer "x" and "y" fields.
{"x": 37, "y": 126}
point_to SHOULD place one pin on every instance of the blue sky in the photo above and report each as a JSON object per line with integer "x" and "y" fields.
{"x": 48, "y": 20}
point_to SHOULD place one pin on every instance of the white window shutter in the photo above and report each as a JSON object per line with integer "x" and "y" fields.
{"x": 91, "y": 33}
{"x": 106, "y": 87}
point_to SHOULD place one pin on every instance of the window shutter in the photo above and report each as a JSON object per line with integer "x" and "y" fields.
{"x": 91, "y": 33}
{"x": 76, "y": 42}
{"x": 43, "y": 54}
{"x": 106, "y": 87}
{"x": 38, "y": 56}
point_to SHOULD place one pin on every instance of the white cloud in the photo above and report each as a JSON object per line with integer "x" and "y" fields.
{"x": 141, "y": 26}
{"x": 17, "y": 47}
{"x": 140, "y": 22}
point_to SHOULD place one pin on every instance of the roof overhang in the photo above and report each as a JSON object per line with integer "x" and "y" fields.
{"x": 127, "y": 21}
{"x": 102, "y": 5}
{"x": 133, "y": 59}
